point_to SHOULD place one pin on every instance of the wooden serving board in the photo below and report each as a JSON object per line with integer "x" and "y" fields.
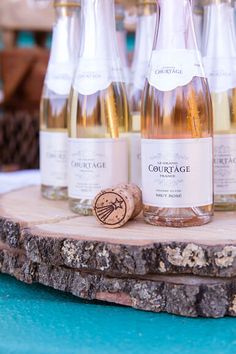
{"x": 184, "y": 295}
{"x": 50, "y": 234}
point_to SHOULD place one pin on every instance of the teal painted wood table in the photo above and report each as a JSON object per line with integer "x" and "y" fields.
{"x": 37, "y": 320}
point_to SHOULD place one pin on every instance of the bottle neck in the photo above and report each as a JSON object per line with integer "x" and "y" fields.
{"x": 65, "y": 33}
{"x": 98, "y": 32}
{"x": 120, "y": 16}
{"x": 175, "y": 25}
{"x": 121, "y": 34}
{"x": 219, "y": 25}
{"x": 145, "y": 33}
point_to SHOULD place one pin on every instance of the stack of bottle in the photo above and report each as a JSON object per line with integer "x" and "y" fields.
{"x": 101, "y": 128}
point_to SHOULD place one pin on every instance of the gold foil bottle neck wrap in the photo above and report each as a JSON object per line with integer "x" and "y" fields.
{"x": 67, "y": 3}
{"x": 146, "y": 2}
{"x": 214, "y": 2}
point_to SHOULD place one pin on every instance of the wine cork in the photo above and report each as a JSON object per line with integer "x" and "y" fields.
{"x": 113, "y": 207}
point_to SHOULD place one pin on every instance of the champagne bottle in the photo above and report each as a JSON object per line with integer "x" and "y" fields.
{"x": 53, "y": 110}
{"x": 176, "y": 125}
{"x": 122, "y": 40}
{"x": 219, "y": 51}
{"x": 145, "y": 31}
{"x": 98, "y": 110}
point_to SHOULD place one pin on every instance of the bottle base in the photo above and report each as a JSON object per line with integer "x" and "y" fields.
{"x": 184, "y": 217}
{"x": 225, "y": 202}
{"x": 225, "y": 207}
{"x": 81, "y": 207}
{"x": 54, "y": 193}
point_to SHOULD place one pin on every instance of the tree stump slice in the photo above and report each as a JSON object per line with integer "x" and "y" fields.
{"x": 50, "y": 234}
{"x": 186, "y": 295}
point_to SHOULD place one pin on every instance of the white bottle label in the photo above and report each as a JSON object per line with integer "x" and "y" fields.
{"x": 134, "y": 140}
{"x": 95, "y": 164}
{"x": 177, "y": 173}
{"x": 221, "y": 73}
{"x": 96, "y": 75}
{"x": 169, "y": 69}
{"x": 53, "y": 158}
{"x": 225, "y": 164}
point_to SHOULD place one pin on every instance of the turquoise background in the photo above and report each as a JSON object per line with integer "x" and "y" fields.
{"x": 38, "y": 320}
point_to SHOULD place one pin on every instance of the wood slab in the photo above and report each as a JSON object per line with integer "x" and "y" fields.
{"x": 187, "y": 295}
{"x": 26, "y": 207}
{"x": 49, "y": 233}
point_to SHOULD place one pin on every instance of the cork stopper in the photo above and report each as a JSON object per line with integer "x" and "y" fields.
{"x": 114, "y": 207}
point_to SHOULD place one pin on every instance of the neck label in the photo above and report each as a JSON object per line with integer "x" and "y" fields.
{"x": 96, "y": 75}
{"x": 61, "y": 63}
{"x": 169, "y": 69}
{"x": 221, "y": 73}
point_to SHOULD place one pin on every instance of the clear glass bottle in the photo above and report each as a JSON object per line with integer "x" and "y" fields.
{"x": 98, "y": 110}
{"x": 53, "y": 108}
{"x": 145, "y": 30}
{"x": 122, "y": 40}
{"x": 177, "y": 176}
{"x": 220, "y": 64}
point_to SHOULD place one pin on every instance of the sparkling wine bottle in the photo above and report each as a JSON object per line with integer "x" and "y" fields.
{"x": 219, "y": 51}
{"x": 53, "y": 109}
{"x": 98, "y": 110}
{"x": 145, "y": 31}
{"x": 176, "y": 125}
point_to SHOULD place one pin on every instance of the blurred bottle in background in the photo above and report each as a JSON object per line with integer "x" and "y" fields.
{"x": 53, "y": 110}
{"x": 198, "y": 21}
{"x": 219, "y": 51}
{"x": 145, "y": 30}
{"x": 122, "y": 40}
{"x": 1, "y": 83}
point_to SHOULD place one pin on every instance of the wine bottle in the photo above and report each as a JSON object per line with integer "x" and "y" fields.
{"x": 53, "y": 109}
{"x": 219, "y": 51}
{"x": 122, "y": 40}
{"x": 145, "y": 31}
{"x": 177, "y": 130}
{"x": 98, "y": 110}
